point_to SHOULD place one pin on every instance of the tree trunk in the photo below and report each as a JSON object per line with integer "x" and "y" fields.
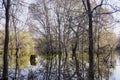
{"x": 91, "y": 56}
{"x": 5, "y": 56}
{"x": 17, "y": 64}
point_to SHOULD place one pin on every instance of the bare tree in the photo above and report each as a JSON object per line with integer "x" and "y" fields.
{"x": 5, "y": 58}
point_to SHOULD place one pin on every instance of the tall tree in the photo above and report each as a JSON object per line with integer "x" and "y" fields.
{"x": 5, "y": 57}
{"x": 91, "y": 59}
{"x": 90, "y": 10}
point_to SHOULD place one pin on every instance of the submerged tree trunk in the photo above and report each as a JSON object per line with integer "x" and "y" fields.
{"x": 5, "y": 56}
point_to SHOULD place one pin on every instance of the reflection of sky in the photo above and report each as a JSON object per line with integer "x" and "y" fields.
{"x": 116, "y": 71}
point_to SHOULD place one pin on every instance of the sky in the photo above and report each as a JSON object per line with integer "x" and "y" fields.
{"x": 116, "y": 15}
{"x": 113, "y": 2}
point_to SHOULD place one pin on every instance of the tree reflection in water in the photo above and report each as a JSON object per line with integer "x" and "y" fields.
{"x": 47, "y": 68}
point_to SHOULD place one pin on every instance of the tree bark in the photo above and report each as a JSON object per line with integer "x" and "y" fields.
{"x": 5, "y": 56}
{"x": 91, "y": 55}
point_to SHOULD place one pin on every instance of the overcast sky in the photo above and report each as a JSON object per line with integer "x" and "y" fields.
{"x": 116, "y": 3}
{"x": 113, "y": 2}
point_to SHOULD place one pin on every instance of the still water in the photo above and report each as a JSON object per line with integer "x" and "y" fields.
{"x": 116, "y": 71}
{"x": 50, "y": 65}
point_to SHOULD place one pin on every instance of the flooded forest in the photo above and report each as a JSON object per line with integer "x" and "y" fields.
{"x": 59, "y": 40}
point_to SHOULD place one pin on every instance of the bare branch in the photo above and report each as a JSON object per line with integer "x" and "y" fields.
{"x": 101, "y": 3}
{"x": 84, "y": 5}
{"x": 4, "y": 4}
